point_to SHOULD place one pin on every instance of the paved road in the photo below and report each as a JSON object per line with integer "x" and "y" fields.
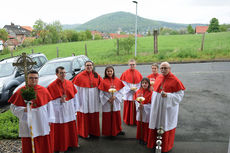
{"x": 204, "y": 117}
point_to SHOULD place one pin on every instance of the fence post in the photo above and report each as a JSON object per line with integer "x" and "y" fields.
{"x": 202, "y": 43}
{"x": 11, "y": 53}
{"x": 32, "y": 50}
{"x": 155, "y": 34}
{"x": 86, "y": 50}
{"x": 57, "y": 52}
{"x": 117, "y": 46}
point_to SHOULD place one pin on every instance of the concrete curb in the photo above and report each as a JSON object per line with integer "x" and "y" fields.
{"x": 182, "y": 62}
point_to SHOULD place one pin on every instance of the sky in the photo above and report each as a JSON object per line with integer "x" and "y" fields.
{"x": 26, "y": 12}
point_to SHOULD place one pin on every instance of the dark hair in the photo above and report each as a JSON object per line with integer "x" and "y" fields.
{"x": 59, "y": 68}
{"x": 109, "y": 67}
{"x": 32, "y": 72}
{"x": 94, "y": 73}
{"x": 146, "y": 79}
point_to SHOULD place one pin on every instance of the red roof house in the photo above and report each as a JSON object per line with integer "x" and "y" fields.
{"x": 27, "y": 28}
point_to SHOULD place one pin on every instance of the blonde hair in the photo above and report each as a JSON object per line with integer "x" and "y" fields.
{"x": 132, "y": 60}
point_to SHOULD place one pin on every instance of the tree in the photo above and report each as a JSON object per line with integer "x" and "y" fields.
{"x": 82, "y": 36}
{"x": 88, "y": 35}
{"x": 127, "y": 43}
{"x": 3, "y": 34}
{"x": 97, "y": 37}
{"x": 149, "y": 33}
{"x": 214, "y": 25}
{"x": 190, "y": 29}
{"x": 38, "y": 27}
{"x": 224, "y": 27}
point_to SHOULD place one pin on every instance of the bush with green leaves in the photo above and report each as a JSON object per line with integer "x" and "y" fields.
{"x": 126, "y": 44}
{"x": 9, "y": 125}
{"x": 5, "y": 51}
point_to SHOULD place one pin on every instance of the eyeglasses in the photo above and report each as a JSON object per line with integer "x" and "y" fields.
{"x": 62, "y": 72}
{"x": 31, "y": 78}
{"x": 89, "y": 65}
{"x": 164, "y": 68}
{"x": 132, "y": 64}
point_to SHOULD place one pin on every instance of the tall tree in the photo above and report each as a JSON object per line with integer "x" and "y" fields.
{"x": 38, "y": 27}
{"x": 214, "y": 25}
{"x": 88, "y": 35}
{"x": 3, "y": 34}
{"x": 190, "y": 29}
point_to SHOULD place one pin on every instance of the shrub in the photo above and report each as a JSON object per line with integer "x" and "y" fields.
{"x": 9, "y": 125}
{"x": 5, "y": 51}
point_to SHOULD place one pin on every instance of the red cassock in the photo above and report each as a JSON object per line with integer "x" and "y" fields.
{"x": 42, "y": 114}
{"x": 153, "y": 76}
{"x": 63, "y": 129}
{"x": 131, "y": 78}
{"x": 147, "y": 94}
{"x": 88, "y": 103}
{"x": 164, "y": 111}
{"x": 111, "y": 120}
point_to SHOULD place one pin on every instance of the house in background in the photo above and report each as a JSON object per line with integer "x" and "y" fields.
{"x": 17, "y": 34}
{"x": 201, "y": 29}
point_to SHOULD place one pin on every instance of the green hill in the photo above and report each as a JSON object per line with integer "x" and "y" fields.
{"x": 125, "y": 21}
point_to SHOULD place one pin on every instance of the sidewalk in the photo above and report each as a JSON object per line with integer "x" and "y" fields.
{"x": 129, "y": 144}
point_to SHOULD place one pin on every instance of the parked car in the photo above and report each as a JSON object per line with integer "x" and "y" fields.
{"x": 11, "y": 77}
{"x": 1, "y": 45}
{"x": 73, "y": 65}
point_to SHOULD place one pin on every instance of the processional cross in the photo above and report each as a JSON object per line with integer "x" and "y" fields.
{"x": 24, "y": 63}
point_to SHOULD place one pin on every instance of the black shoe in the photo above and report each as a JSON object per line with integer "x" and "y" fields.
{"x": 111, "y": 137}
{"x": 121, "y": 133}
{"x": 140, "y": 141}
{"x": 93, "y": 137}
{"x": 84, "y": 137}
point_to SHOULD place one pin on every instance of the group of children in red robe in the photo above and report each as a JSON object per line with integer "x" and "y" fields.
{"x": 110, "y": 92}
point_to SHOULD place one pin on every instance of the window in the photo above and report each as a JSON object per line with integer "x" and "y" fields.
{"x": 76, "y": 64}
{"x": 38, "y": 62}
{"x": 43, "y": 60}
{"x": 80, "y": 60}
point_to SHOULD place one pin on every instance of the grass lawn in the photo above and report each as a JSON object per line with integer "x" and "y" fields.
{"x": 172, "y": 48}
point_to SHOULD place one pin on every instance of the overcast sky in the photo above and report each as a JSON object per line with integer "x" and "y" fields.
{"x": 26, "y": 12}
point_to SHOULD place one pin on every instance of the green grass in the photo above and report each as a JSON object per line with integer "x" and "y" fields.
{"x": 9, "y": 126}
{"x": 172, "y": 48}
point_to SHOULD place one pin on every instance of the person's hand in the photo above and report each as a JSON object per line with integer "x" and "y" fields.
{"x": 25, "y": 110}
{"x": 111, "y": 99}
{"x": 62, "y": 99}
{"x": 141, "y": 106}
{"x": 163, "y": 94}
{"x": 151, "y": 88}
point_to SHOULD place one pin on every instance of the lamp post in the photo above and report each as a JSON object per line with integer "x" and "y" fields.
{"x": 136, "y": 30}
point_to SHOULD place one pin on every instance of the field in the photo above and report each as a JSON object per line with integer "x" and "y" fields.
{"x": 172, "y": 48}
